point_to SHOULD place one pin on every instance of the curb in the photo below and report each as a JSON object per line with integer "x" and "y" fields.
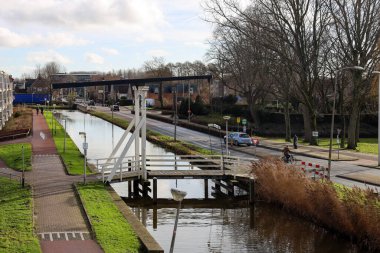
{"x": 84, "y": 211}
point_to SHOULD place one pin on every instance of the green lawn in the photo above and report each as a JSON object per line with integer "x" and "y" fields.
{"x": 366, "y": 145}
{"x": 112, "y": 231}
{"x": 11, "y": 154}
{"x": 16, "y": 219}
{"x": 72, "y": 157}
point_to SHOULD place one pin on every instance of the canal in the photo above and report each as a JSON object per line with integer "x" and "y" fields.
{"x": 213, "y": 225}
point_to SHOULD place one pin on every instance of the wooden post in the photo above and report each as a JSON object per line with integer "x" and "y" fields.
{"x": 136, "y": 188}
{"x": 251, "y": 216}
{"x": 154, "y": 217}
{"x": 130, "y": 181}
{"x": 155, "y": 192}
{"x": 206, "y": 188}
{"x": 251, "y": 191}
{"x": 217, "y": 185}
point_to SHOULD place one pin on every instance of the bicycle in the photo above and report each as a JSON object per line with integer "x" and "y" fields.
{"x": 290, "y": 159}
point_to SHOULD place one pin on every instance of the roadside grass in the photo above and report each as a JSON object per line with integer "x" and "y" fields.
{"x": 72, "y": 157}
{"x": 11, "y": 154}
{"x": 16, "y": 219}
{"x": 352, "y": 212}
{"x": 167, "y": 142}
{"x": 112, "y": 230}
{"x": 366, "y": 145}
{"x": 22, "y": 118}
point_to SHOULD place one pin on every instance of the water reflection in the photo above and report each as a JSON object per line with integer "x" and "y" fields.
{"x": 261, "y": 228}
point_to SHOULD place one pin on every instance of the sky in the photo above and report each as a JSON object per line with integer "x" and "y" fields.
{"x": 100, "y": 35}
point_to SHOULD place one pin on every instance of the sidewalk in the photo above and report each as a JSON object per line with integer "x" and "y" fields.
{"x": 60, "y": 223}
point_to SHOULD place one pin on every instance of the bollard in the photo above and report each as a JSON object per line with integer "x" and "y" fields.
{"x": 154, "y": 217}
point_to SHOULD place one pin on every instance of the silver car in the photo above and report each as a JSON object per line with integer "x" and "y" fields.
{"x": 238, "y": 138}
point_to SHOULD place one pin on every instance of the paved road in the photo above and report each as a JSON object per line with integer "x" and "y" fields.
{"x": 339, "y": 168}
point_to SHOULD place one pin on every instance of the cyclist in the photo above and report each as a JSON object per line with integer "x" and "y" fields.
{"x": 286, "y": 152}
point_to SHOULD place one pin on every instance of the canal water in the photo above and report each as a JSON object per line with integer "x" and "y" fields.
{"x": 211, "y": 225}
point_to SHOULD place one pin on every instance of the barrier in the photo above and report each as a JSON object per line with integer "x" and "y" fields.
{"x": 314, "y": 171}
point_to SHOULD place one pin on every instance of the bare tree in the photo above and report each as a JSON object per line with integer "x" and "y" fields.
{"x": 356, "y": 32}
{"x": 157, "y": 68}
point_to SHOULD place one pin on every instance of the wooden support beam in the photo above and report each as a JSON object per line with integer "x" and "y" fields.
{"x": 155, "y": 191}
{"x": 206, "y": 188}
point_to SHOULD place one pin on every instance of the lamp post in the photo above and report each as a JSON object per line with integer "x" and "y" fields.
{"x": 177, "y": 196}
{"x": 175, "y": 113}
{"x": 85, "y": 147}
{"x": 333, "y": 111}
{"x": 226, "y": 118}
{"x": 378, "y": 122}
{"x": 64, "y": 138}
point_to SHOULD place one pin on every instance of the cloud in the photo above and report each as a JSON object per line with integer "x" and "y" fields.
{"x": 12, "y": 39}
{"x": 110, "y": 51}
{"x": 42, "y": 57}
{"x": 94, "y": 58}
{"x": 157, "y": 53}
{"x": 80, "y": 14}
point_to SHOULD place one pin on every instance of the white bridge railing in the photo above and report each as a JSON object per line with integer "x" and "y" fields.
{"x": 129, "y": 164}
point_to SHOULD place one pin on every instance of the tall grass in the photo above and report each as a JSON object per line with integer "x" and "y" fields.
{"x": 354, "y": 213}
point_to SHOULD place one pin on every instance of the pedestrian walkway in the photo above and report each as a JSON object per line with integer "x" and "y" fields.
{"x": 60, "y": 222}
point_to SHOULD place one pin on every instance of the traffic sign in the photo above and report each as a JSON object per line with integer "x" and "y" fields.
{"x": 238, "y": 120}
{"x": 244, "y": 121}
{"x": 314, "y": 133}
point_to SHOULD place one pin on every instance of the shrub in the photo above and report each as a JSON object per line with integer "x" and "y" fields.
{"x": 351, "y": 212}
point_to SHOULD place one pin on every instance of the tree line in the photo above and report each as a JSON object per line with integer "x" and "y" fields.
{"x": 295, "y": 50}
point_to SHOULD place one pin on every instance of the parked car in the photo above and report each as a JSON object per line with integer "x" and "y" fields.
{"x": 115, "y": 108}
{"x": 238, "y": 138}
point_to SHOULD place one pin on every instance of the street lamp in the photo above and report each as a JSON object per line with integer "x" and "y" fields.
{"x": 226, "y": 118}
{"x": 64, "y": 138}
{"x": 177, "y": 196}
{"x": 333, "y": 111}
{"x": 85, "y": 147}
{"x": 378, "y": 128}
{"x": 175, "y": 113}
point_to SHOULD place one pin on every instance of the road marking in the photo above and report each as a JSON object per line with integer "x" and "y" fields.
{"x": 42, "y": 135}
{"x": 75, "y": 235}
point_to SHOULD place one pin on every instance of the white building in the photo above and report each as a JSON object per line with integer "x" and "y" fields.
{"x": 6, "y": 98}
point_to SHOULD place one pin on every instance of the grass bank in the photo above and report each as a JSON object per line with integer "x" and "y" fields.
{"x": 11, "y": 154}
{"x": 352, "y": 212}
{"x": 112, "y": 231}
{"x": 71, "y": 155}
{"x": 366, "y": 145}
{"x": 167, "y": 142}
{"x": 16, "y": 219}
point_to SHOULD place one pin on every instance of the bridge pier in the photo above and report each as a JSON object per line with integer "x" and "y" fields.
{"x": 251, "y": 191}
{"x": 155, "y": 191}
{"x": 136, "y": 188}
{"x": 206, "y": 188}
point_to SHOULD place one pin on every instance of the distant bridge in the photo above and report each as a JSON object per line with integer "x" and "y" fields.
{"x": 133, "y": 82}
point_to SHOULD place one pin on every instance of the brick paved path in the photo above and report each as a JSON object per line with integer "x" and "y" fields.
{"x": 59, "y": 220}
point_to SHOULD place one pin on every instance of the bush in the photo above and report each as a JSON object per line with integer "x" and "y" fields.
{"x": 351, "y": 212}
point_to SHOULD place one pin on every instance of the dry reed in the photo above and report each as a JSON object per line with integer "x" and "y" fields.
{"x": 351, "y": 212}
